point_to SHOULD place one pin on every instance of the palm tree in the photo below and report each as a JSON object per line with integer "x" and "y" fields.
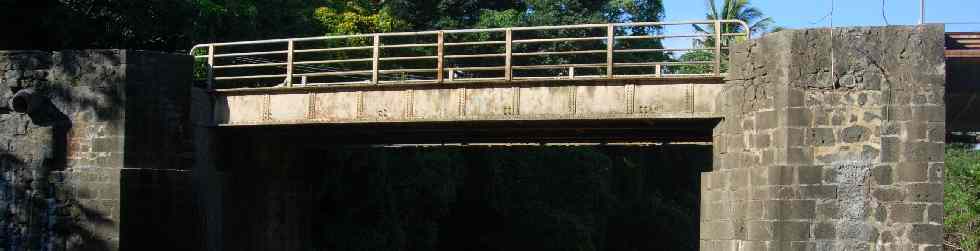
{"x": 732, "y": 10}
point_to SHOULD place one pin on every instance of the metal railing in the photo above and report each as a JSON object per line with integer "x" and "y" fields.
{"x": 586, "y": 51}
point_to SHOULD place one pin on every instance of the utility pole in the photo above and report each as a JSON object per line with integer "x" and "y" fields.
{"x": 922, "y": 12}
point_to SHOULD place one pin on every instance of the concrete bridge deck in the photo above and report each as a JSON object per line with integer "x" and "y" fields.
{"x": 518, "y": 101}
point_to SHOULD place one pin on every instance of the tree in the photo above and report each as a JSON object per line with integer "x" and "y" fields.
{"x": 79, "y": 24}
{"x": 235, "y": 20}
{"x": 565, "y": 12}
{"x": 458, "y": 14}
{"x": 357, "y": 17}
{"x": 697, "y": 56}
{"x": 162, "y": 25}
{"x": 733, "y": 10}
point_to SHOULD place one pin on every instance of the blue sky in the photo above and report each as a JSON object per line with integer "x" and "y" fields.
{"x": 808, "y": 13}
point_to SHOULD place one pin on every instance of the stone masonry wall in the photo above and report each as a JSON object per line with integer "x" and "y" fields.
{"x": 97, "y": 159}
{"x": 832, "y": 140}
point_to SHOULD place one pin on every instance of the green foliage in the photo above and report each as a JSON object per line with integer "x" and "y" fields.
{"x": 732, "y": 10}
{"x": 697, "y": 56}
{"x": 54, "y": 24}
{"x": 175, "y": 24}
{"x": 450, "y": 14}
{"x": 231, "y": 20}
{"x": 163, "y": 25}
{"x": 962, "y": 197}
{"x": 499, "y": 18}
{"x": 357, "y": 17}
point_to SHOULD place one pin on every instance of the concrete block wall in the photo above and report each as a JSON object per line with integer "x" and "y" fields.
{"x": 832, "y": 140}
{"x": 101, "y": 150}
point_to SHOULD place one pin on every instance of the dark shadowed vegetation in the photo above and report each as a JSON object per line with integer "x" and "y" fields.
{"x": 512, "y": 198}
{"x": 175, "y": 25}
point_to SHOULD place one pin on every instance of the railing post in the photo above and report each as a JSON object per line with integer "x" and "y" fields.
{"x": 508, "y": 53}
{"x": 210, "y": 67}
{"x": 571, "y": 72}
{"x": 610, "y": 45}
{"x": 440, "y": 54}
{"x": 289, "y": 64}
{"x": 376, "y": 59}
{"x": 718, "y": 36}
{"x": 659, "y": 70}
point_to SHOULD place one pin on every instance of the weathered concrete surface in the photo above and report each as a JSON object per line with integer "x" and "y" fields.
{"x": 618, "y": 99}
{"x": 97, "y": 160}
{"x": 832, "y": 140}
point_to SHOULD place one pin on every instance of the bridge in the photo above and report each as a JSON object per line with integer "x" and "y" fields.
{"x": 821, "y": 139}
{"x": 617, "y": 71}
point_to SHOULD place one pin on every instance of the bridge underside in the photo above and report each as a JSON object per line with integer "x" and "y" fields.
{"x": 490, "y": 132}
{"x": 962, "y": 88}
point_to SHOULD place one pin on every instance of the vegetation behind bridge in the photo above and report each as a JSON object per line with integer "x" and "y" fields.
{"x": 511, "y": 198}
{"x": 175, "y": 25}
{"x": 962, "y": 198}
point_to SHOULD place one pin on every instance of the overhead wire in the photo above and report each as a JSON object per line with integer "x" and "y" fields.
{"x": 883, "y": 15}
{"x": 833, "y": 62}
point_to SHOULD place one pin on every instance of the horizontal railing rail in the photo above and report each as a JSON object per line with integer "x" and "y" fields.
{"x": 595, "y": 51}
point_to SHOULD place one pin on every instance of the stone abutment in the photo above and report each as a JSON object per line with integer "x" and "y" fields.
{"x": 832, "y": 140}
